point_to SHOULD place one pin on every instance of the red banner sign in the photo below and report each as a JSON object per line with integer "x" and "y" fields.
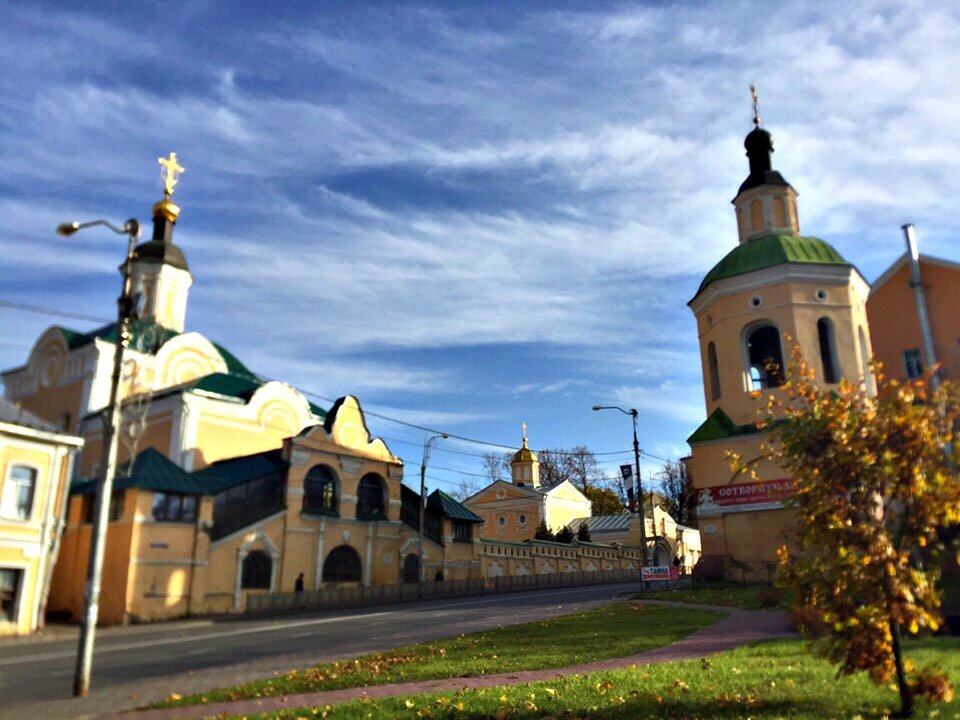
{"x": 744, "y": 497}
{"x": 660, "y": 572}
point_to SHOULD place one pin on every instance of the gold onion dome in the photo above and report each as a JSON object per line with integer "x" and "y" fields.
{"x": 524, "y": 454}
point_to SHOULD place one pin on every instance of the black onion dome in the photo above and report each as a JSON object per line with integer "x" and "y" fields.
{"x": 759, "y": 145}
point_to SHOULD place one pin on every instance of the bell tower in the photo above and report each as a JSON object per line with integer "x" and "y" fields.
{"x": 525, "y": 467}
{"x": 160, "y": 270}
{"x": 774, "y": 290}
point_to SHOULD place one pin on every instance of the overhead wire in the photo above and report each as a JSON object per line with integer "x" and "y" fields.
{"x": 27, "y": 307}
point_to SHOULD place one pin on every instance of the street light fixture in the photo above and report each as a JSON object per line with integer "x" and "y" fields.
{"x": 428, "y": 445}
{"x": 108, "y": 458}
{"x": 632, "y": 412}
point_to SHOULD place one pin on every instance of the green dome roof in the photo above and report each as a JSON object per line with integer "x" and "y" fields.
{"x": 771, "y": 250}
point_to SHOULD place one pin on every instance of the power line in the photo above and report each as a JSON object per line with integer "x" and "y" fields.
{"x": 26, "y": 307}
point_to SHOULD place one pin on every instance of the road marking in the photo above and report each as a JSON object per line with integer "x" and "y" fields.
{"x": 174, "y": 641}
{"x": 275, "y": 626}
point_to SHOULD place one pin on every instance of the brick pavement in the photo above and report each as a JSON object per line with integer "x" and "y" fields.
{"x": 740, "y": 627}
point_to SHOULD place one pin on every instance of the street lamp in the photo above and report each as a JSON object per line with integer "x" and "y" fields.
{"x": 639, "y": 484}
{"x": 428, "y": 445}
{"x": 108, "y": 458}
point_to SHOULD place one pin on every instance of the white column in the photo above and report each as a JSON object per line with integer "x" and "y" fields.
{"x": 369, "y": 560}
{"x": 319, "y": 571}
{"x": 241, "y": 556}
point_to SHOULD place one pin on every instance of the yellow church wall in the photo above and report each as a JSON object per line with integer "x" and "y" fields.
{"x": 157, "y": 434}
{"x": 57, "y": 404}
{"x": 794, "y": 309}
{"x": 564, "y": 504}
{"x": 752, "y": 537}
{"x": 509, "y": 512}
{"x": 220, "y": 437}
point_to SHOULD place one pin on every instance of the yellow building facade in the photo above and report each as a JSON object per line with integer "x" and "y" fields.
{"x": 36, "y": 462}
{"x": 512, "y": 511}
{"x": 231, "y": 486}
{"x": 776, "y": 290}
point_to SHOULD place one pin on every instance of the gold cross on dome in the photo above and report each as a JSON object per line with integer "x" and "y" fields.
{"x": 170, "y": 173}
{"x": 523, "y": 426}
{"x": 756, "y": 104}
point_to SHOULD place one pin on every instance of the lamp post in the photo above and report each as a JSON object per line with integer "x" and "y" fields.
{"x": 428, "y": 445}
{"x": 108, "y": 457}
{"x": 632, "y": 412}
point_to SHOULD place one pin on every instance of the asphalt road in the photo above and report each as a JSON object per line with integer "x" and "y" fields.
{"x": 136, "y": 665}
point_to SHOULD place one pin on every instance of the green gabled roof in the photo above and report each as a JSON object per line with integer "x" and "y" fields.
{"x": 771, "y": 250}
{"x": 235, "y": 386}
{"x": 147, "y": 337}
{"x": 236, "y": 471}
{"x": 719, "y": 426}
{"x": 318, "y": 411}
{"x": 151, "y": 471}
{"x": 448, "y": 507}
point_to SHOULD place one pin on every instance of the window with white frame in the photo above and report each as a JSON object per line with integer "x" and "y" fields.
{"x": 913, "y": 363}
{"x": 16, "y": 503}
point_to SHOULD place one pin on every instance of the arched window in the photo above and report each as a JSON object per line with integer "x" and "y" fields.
{"x": 16, "y": 502}
{"x": 342, "y": 565}
{"x": 370, "y": 505}
{"x": 714, "y": 371}
{"x": 865, "y": 362}
{"x": 779, "y": 213}
{"x": 320, "y": 491}
{"x": 411, "y": 569}
{"x": 756, "y": 215}
{"x": 257, "y": 569}
{"x": 827, "y": 352}
{"x": 765, "y": 359}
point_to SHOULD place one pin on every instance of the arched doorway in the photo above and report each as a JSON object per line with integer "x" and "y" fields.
{"x": 342, "y": 565}
{"x": 411, "y": 569}
{"x": 661, "y": 554}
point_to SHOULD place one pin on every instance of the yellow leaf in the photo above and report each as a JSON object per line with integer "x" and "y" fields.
{"x": 503, "y": 698}
{"x": 408, "y": 703}
{"x": 174, "y": 696}
{"x": 550, "y": 691}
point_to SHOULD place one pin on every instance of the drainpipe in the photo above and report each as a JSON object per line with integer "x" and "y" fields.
{"x": 917, "y": 285}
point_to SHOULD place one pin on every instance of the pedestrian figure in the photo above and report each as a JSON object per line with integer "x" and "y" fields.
{"x": 298, "y": 585}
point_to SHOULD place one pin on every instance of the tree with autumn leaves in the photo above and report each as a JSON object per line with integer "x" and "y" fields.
{"x": 876, "y": 483}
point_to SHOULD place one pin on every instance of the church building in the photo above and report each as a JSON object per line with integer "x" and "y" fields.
{"x": 777, "y": 288}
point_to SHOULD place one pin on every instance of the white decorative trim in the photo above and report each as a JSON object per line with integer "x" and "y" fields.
{"x": 242, "y": 552}
{"x": 776, "y": 275}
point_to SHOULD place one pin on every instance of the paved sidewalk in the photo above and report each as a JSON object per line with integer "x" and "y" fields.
{"x": 740, "y": 627}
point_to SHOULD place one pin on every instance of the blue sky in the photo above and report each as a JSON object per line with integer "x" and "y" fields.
{"x": 466, "y": 215}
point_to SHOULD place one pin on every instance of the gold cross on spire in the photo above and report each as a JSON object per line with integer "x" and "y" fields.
{"x": 756, "y": 104}
{"x": 170, "y": 173}
{"x": 523, "y": 426}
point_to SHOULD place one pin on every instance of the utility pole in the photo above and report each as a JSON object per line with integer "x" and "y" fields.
{"x": 428, "y": 445}
{"x": 126, "y": 306}
{"x": 632, "y": 412}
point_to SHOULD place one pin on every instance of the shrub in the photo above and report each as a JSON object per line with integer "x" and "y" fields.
{"x": 770, "y": 597}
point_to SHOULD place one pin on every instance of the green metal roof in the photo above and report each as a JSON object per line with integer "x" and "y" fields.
{"x": 771, "y": 250}
{"x": 719, "y": 426}
{"x": 448, "y": 507}
{"x": 151, "y": 471}
{"x": 147, "y": 337}
{"x": 236, "y": 471}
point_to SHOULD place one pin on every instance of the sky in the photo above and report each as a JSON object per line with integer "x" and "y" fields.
{"x": 467, "y": 215}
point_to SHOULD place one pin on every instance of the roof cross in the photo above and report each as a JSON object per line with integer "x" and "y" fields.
{"x": 523, "y": 426}
{"x": 170, "y": 173}
{"x": 756, "y": 104}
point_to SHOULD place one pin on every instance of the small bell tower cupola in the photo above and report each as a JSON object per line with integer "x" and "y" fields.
{"x": 766, "y": 203}
{"x": 525, "y": 467}
{"x": 160, "y": 270}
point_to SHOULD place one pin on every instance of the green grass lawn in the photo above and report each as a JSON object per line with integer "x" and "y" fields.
{"x": 747, "y": 597}
{"x": 616, "y": 630}
{"x": 775, "y": 679}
